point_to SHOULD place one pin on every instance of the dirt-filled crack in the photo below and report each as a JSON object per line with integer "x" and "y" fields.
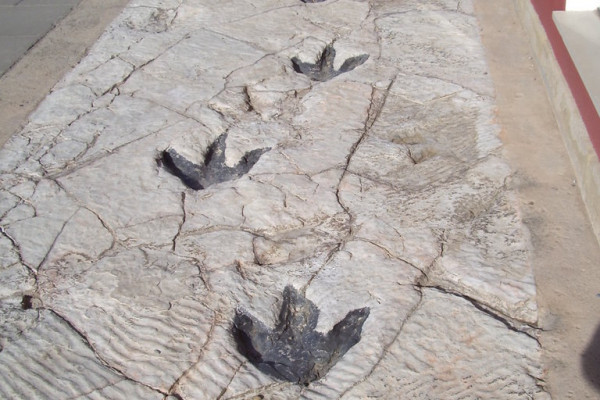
{"x": 183, "y": 218}
{"x": 511, "y": 323}
{"x": 231, "y": 380}
{"x": 33, "y": 271}
{"x": 377, "y": 102}
{"x": 173, "y": 389}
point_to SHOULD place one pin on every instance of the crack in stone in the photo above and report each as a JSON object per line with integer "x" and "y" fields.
{"x": 183, "y": 218}
{"x": 511, "y": 323}
{"x": 96, "y": 389}
{"x": 390, "y": 255}
{"x": 40, "y": 265}
{"x": 220, "y": 396}
{"x": 464, "y": 88}
{"x": 173, "y": 389}
{"x": 107, "y": 152}
{"x": 17, "y": 247}
{"x": 159, "y": 21}
{"x": 117, "y": 85}
{"x": 338, "y": 247}
{"x": 388, "y": 345}
{"x": 261, "y": 13}
{"x": 373, "y": 113}
{"x": 105, "y": 225}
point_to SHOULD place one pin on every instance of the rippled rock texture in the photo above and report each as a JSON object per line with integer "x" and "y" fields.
{"x": 384, "y": 187}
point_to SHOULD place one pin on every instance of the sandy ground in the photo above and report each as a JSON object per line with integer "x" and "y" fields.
{"x": 566, "y": 251}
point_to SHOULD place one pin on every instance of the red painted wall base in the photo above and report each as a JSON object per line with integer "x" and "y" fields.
{"x": 588, "y": 112}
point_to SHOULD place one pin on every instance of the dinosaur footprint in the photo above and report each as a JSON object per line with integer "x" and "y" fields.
{"x": 293, "y": 350}
{"x": 323, "y": 70}
{"x": 214, "y": 169}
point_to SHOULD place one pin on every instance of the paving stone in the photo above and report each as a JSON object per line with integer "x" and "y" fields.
{"x": 384, "y": 187}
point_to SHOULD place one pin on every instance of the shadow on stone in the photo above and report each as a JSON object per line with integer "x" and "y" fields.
{"x": 214, "y": 169}
{"x": 312, "y": 1}
{"x": 27, "y": 302}
{"x": 323, "y": 70}
{"x": 293, "y": 350}
{"x": 590, "y": 360}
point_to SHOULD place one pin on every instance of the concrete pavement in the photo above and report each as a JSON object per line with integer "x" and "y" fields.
{"x": 24, "y": 22}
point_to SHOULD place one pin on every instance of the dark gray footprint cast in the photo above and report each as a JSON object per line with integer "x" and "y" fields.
{"x": 323, "y": 69}
{"x": 293, "y": 350}
{"x": 214, "y": 170}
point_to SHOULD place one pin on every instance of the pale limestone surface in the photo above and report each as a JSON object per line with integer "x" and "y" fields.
{"x": 384, "y": 187}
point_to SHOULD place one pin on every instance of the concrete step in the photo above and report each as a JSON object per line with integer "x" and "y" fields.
{"x": 580, "y": 31}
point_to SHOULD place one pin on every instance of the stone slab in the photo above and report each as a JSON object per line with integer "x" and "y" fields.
{"x": 384, "y": 187}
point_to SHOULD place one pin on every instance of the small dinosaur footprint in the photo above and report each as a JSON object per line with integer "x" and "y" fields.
{"x": 294, "y": 350}
{"x": 214, "y": 169}
{"x": 323, "y": 70}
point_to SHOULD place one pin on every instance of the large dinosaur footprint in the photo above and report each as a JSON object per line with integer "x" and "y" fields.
{"x": 323, "y": 70}
{"x": 293, "y": 350}
{"x": 214, "y": 169}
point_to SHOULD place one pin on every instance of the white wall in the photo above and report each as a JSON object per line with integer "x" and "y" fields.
{"x": 582, "y": 5}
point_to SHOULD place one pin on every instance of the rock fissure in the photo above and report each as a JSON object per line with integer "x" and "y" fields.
{"x": 173, "y": 390}
{"x": 270, "y": 10}
{"x": 511, "y": 323}
{"x": 372, "y": 113}
{"x": 183, "y": 219}
{"x": 32, "y": 270}
{"x": 226, "y": 388}
{"x": 56, "y": 238}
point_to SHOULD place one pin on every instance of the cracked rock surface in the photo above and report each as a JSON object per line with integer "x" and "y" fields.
{"x": 385, "y": 188}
